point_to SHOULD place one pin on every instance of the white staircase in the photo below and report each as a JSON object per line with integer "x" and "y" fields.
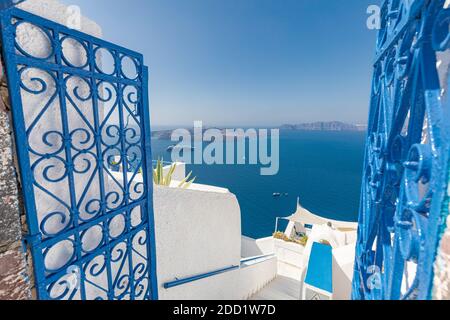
{"x": 286, "y": 286}
{"x": 282, "y": 288}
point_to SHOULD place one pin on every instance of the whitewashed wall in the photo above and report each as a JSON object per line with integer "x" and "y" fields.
{"x": 343, "y": 270}
{"x": 290, "y": 253}
{"x": 58, "y": 12}
{"x": 197, "y": 232}
{"x": 180, "y": 171}
{"x": 257, "y": 247}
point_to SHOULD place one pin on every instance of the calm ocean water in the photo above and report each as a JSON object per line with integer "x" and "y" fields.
{"x": 322, "y": 168}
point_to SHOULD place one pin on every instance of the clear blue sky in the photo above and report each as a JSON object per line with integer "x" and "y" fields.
{"x": 247, "y": 62}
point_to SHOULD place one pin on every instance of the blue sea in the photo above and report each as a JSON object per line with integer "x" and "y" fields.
{"x": 323, "y": 169}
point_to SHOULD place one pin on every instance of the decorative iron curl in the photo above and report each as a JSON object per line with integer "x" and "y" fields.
{"x": 123, "y": 283}
{"x": 109, "y": 93}
{"x": 61, "y": 172}
{"x": 120, "y": 254}
{"x": 90, "y": 209}
{"x": 40, "y": 81}
{"x": 65, "y": 222}
{"x": 141, "y": 289}
{"x": 78, "y": 158}
{"x": 67, "y": 293}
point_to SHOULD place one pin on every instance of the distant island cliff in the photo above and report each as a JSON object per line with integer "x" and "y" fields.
{"x": 324, "y": 126}
{"x": 315, "y": 126}
{"x": 167, "y": 134}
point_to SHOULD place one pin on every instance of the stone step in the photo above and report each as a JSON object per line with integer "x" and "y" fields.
{"x": 282, "y": 288}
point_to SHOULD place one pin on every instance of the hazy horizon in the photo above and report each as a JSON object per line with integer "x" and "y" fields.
{"x": 243, "y": 126}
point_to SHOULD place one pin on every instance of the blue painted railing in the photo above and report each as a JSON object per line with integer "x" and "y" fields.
{"x": 180, "y": 282}
{"x": 91, "y": 235}
{"x": 406, "y": 163}
{"x": 183, "y": 281}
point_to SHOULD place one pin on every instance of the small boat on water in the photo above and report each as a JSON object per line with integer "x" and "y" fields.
{"x": 278, "y": 194}
{"x": 178, "y": 148}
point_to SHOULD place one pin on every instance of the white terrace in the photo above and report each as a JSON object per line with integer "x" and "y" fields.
{"x": 202, "y": 254}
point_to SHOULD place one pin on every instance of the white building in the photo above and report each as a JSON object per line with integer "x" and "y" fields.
{"x": 201, "y": 248}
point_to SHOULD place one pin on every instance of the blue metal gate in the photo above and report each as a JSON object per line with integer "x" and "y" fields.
{"x": 403, "y": 207}
{"x": 80, "y": 107}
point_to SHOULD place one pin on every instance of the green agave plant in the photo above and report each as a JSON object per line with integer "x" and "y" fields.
{"x": 165, "y": 180}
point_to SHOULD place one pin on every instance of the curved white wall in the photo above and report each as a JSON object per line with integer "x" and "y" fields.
{"x": 197, "y": 232}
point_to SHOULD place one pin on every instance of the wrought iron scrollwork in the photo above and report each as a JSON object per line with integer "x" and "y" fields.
{"x": 79, "y": 107}
{"x": 406, "y": 166}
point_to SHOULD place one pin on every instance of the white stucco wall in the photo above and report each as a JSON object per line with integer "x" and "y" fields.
{"x": 289, "y": 253}
{"x": 58, "y": 12}
{"x": 257, "y": 247}
{"x": 180, "y": 171}
{"x": 197, "y": 232}
{"x": 343, "y": 269}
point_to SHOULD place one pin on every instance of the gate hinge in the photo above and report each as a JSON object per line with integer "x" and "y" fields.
{"x": 32, "y": 240}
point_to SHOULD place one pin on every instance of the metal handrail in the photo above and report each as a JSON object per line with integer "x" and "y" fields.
{"x": 257, "y": 258}
{"x": 179, "y": 282}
